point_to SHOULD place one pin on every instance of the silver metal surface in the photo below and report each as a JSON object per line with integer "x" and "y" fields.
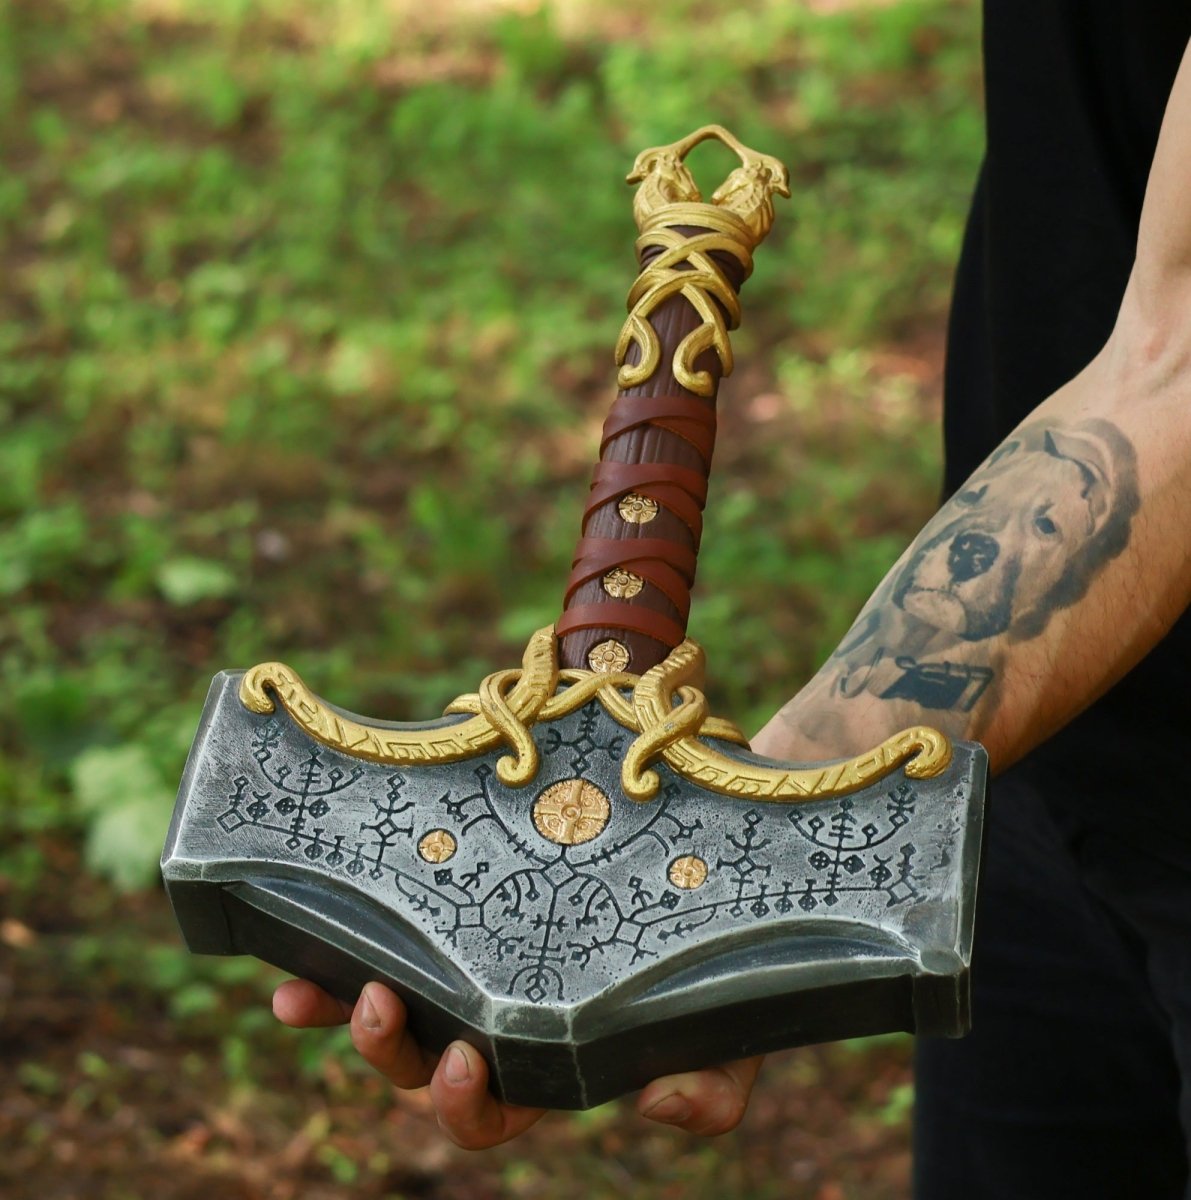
{"x": 580, "y": 971}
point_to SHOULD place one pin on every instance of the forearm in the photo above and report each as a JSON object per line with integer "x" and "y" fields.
{"x": 1060, "y": 563}
{"x": 1065, "y": 557}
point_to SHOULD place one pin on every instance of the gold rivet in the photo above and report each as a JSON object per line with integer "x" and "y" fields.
{"x": 689, "y": 871}
{"x": 608, "y": 657}
{"x": 637, "y": 510}
{"x": 622, "y": 584}
{"x": 571, "y": 812}
{"x": 437, "y": 846}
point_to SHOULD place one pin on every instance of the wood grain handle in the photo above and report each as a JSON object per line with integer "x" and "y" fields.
{"x": 628, "y": 595}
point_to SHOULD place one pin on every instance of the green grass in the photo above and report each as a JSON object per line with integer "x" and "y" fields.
{"x": 306, "y": 321}
{"x": 305, "y": 331}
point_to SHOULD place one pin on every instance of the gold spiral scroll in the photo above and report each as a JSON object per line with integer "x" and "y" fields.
{"x": 667, "y": 707}
{"x": 509, "y": 703}
{"x": 664, "y": 707}
{"x": 736, "y": 221}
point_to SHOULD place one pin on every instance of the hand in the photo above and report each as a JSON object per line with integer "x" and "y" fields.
{"x": 705, "y": 1102}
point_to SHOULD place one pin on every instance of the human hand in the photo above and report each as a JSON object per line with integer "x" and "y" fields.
{"x": 706, "y": 1102}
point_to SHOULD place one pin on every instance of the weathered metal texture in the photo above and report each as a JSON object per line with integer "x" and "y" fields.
{"x": 581, "y": 971}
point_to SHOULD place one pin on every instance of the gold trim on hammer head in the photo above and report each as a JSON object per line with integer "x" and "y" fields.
{"x": 665, "y": 708}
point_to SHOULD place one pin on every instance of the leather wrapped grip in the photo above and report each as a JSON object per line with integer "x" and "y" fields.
{"x": 628, "y": 595}
{"x": 656, "y": 448}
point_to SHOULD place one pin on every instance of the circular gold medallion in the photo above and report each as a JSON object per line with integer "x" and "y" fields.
{"x": 689, "y": 871}
{"x": 608, "y": 657}
{"x": 622, "y": 584}
{"x": 571, "y": 812}
{"x": 437, "y": 846}
{"x": 637, "y": 510}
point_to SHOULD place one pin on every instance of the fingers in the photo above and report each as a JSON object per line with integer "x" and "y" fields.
{"x": 467, "y": 1112}
{"x": 705, "y": 1102}
{"x": 302, "y": 1004}
{"x": 379, "y": 1033}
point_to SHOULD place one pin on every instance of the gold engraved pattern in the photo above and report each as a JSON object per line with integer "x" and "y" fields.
{"x": 737, "y": 219}
{"x": 608, "y": 658}
{"x": 622, "y": 584}
{"x": 571, "y": 812}
{"x": 437, "y": 846}
{"x": 664, "y": 707}
{"x": 637, "y": 510}
{"x": 688, "y": 872}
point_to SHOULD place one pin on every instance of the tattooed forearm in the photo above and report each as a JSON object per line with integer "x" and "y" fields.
{"x": 1022, "y": 540}
{"x": 1026, "y": 535}
{"x": 1065, "y": 558}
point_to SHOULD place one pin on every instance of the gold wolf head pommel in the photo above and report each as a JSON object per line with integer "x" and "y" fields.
{"x": 747, "y": 192}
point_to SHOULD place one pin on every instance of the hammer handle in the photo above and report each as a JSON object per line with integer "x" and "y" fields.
{"x": 628, "y": 595}
{"x": 635, "y": 561}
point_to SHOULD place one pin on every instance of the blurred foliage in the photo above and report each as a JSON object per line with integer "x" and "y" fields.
{"x": 305, "y": 331}
{"x": 305, "y": 336}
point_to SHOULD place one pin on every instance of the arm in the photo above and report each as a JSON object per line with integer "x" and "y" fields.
{"x": 1049, "y": 575}
{"x": 1062, "y": 560}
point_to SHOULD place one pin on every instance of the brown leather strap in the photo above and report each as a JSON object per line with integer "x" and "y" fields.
{"x": 657, "y": 443}
{"x": 691, "y": 419}
{"x": 679, "y": 489}
{"x": 667, "y": 565}
{"x": 616, "y": 614}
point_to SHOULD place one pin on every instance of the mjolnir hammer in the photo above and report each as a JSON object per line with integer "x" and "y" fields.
{"x": 577, "y": 869}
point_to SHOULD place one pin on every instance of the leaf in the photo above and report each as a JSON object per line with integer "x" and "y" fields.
{"x": 104, "y": 777}
{"x": 185, "y": 581}
{"x": 128, "y": 805}
{"x": 125, "y": 843}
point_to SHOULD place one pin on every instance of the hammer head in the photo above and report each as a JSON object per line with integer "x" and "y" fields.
{"x": 583, "y": 940}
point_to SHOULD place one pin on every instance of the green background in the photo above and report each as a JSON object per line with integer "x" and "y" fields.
{"x": 306, "y": 321}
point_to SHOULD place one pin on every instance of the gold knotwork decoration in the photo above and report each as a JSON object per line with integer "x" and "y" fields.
{"x": 668, "y": 705}
{"x": 664, "y": 707}
{"x": 507, "y": 704}
{"x": 735, "y": 222}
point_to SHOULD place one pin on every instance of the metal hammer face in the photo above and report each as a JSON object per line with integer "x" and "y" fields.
{"x": 585, "y": 941}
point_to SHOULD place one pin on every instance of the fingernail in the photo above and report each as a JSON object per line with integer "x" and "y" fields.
{"x": 369, "y": 1017}
{"x": 671, "y": 1110}
{"x": 455, "y": 1068}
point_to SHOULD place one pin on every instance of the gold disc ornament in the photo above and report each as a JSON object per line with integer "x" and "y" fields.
{"x": 637, "y": 510}
{"x": 608, "y": 657}
{"x": 437, "y": 846}
{"x": 571, "y": 811}
{"x": 621, "y": 584}
{"x": 688, "y": 872}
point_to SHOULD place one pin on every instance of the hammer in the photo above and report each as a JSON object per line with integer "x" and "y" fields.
{"x": 578, "y": 869}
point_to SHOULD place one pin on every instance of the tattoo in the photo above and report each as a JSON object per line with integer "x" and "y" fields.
{"x": 1027, "y": 534}
{"x": 939, "y": 684}
{"x": 1023, "y": 539}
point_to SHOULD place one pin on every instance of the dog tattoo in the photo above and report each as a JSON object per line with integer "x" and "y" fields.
{"x": 1021, "y": 540}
